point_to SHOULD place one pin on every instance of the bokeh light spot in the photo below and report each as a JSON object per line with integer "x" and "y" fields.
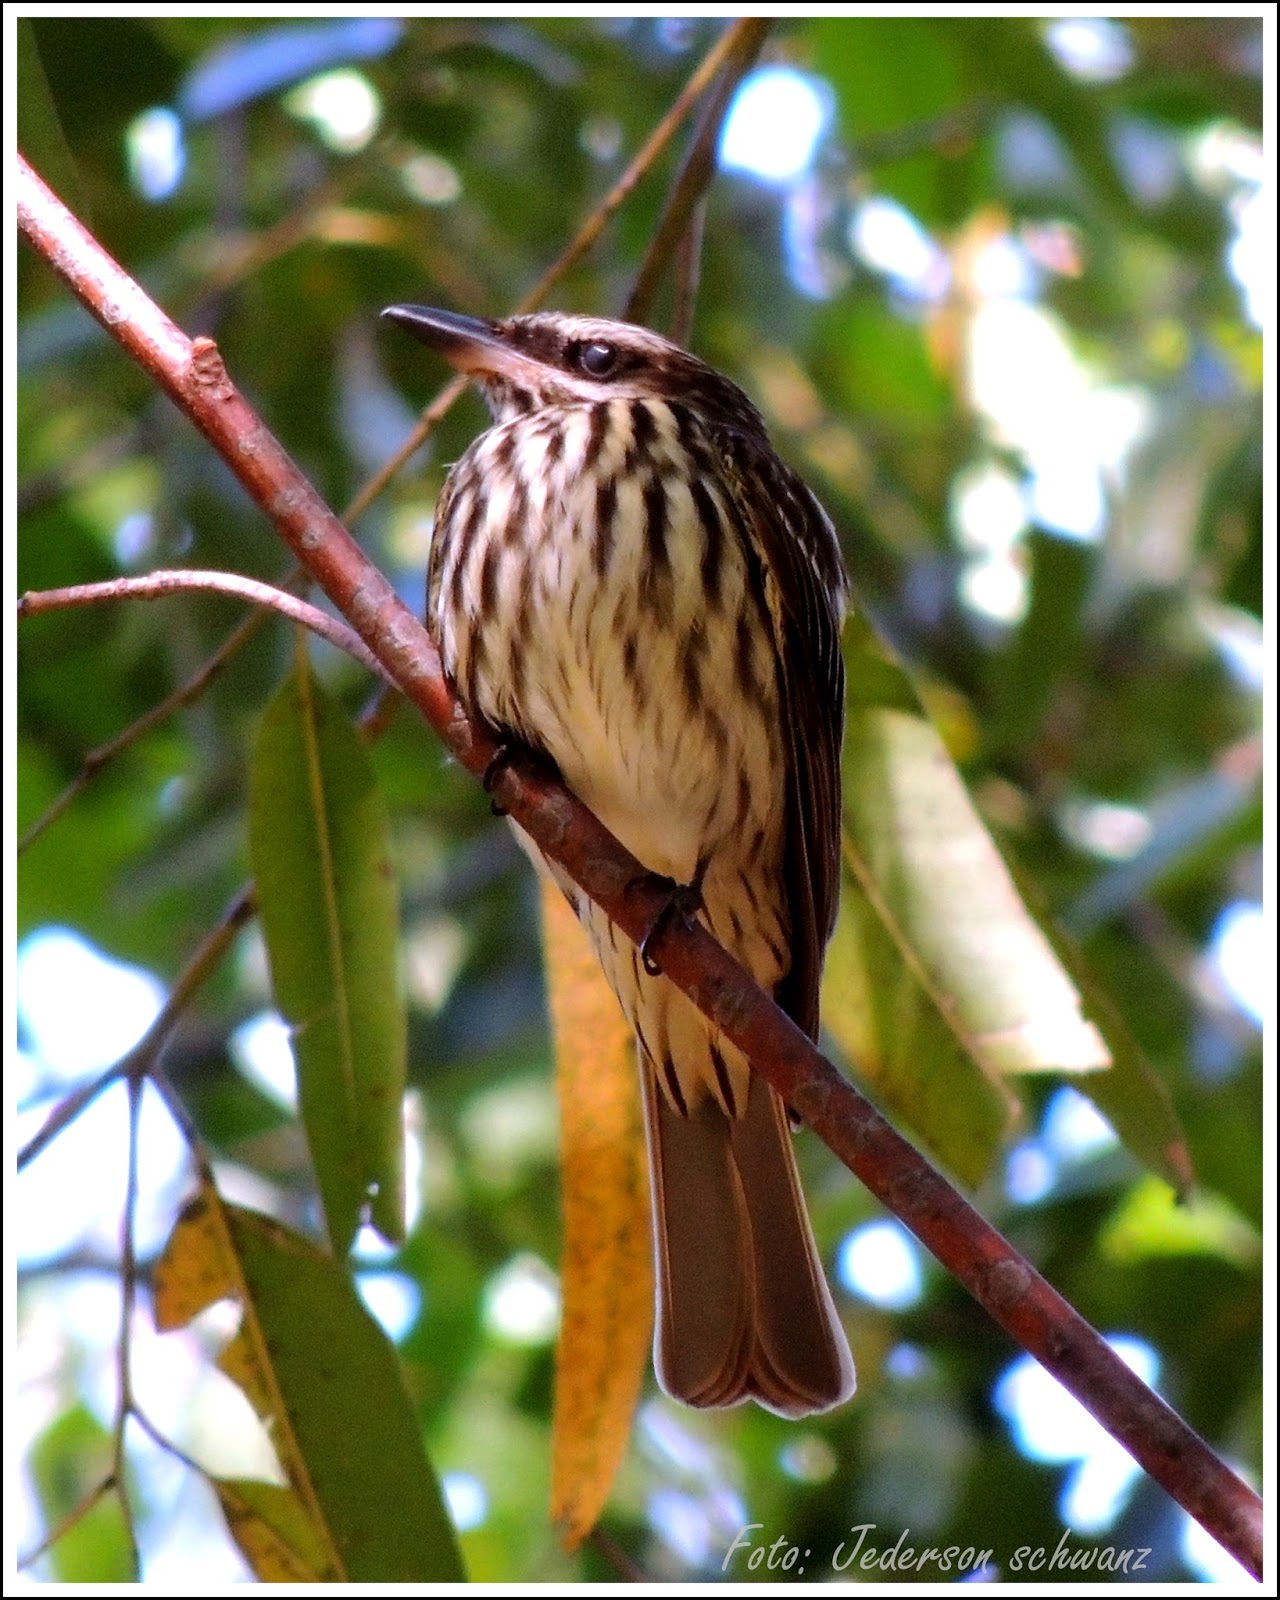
{"x": 880, "y": 1263}
{"x": 774, "y": 124}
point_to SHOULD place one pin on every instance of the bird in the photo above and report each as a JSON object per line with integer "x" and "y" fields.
{"x": 626, "y": 580}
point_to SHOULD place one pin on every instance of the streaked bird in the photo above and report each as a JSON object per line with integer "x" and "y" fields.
{"x": 625, "y": 578}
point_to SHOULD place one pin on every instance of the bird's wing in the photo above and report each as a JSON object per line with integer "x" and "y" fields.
{"x": 805, "y": 588}
{"x": 436, "y": 550}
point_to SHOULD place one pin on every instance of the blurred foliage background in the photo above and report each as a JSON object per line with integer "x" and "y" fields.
{"x": 998, "y": 287}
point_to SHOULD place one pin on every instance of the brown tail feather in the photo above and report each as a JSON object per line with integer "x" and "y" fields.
{"x": 744, "y": 1311}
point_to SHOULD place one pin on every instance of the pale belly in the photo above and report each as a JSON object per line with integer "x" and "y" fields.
{"x": 565, "y": 618}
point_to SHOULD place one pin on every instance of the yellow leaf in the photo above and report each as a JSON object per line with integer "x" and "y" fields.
{"x": 607, "y": 1267}
{"x": 199, "y": 1266}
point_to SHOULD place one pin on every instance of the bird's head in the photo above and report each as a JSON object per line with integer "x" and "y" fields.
{"x": 551, "y": 359}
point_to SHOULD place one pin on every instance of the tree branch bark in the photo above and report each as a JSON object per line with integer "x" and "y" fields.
{"x": 156, "y": 585}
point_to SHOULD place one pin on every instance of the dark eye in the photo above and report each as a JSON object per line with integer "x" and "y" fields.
{"x": 595, "y": 359}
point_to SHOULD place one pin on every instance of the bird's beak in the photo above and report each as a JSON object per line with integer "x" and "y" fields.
{"x": 471, "y": 344}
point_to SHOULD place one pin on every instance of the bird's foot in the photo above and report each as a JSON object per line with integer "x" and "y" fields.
{"x": 501, "y": 759}
{"x": 683, "y": 903}
{"x": 511, "y": 750}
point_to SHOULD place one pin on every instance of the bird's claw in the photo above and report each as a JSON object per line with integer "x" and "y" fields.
{"x": 511, "y": 749}
{"x": 500, "y": 760}
{"x": 684, "y": 901}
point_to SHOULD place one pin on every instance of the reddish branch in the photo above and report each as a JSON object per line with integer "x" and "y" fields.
{"x": 1007, "y": 1286}
{"x": 156, "y": 585}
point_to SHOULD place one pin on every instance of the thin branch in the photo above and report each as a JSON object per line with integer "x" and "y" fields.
{"x": 138, "y": 1067}
{"x": 1022, "y": 1302}
{"x": 142, "y": 1059}
{"x": 65, "y": 1113}
{"x": 726, "y": 49}
{"x": 80, "y": 1259}
{"x": 379, "y": 714}
{"x": 426, "y": 425}
{"x": 243, "y": 255}
{"x": 184, "y": 695}
{"x": 267, "y": 597}
{"x": 699, "y": 166}
{"x": 688, "y": 270}
{"x": 124, "y": 1343}
{"x": 65, "y": 1524}
{"x": 628, "y": 1570}
{"x": 955, "y": 129}
{"x": 126, "y": 1402}
{"x": 167, "y": 1445}
{"x": 158, "y": 585}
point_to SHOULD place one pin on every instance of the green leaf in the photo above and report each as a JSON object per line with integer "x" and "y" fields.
{"x": 894, "y": 74}
{"x": 319, "y": 847}
{"x": 1045, "y": 650}
{"x": 348, "y": 1408}
{"x": 1132, "y": 1095}
{"x": 882, "y": 366}
{"x": 1015, "y": 63}
{"x": 362, "y": 1503}
{"x": 944, "y": 981}
{"x": 1150, "y": 1222}
{"x": 881, "y": 1010}
{"x": 270, "y": 1525}
{"x": 40, "y": 136}
{"x": 68, "y": 1463}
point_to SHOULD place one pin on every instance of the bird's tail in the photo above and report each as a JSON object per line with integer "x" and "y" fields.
{"x": 744, "y": 1311}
